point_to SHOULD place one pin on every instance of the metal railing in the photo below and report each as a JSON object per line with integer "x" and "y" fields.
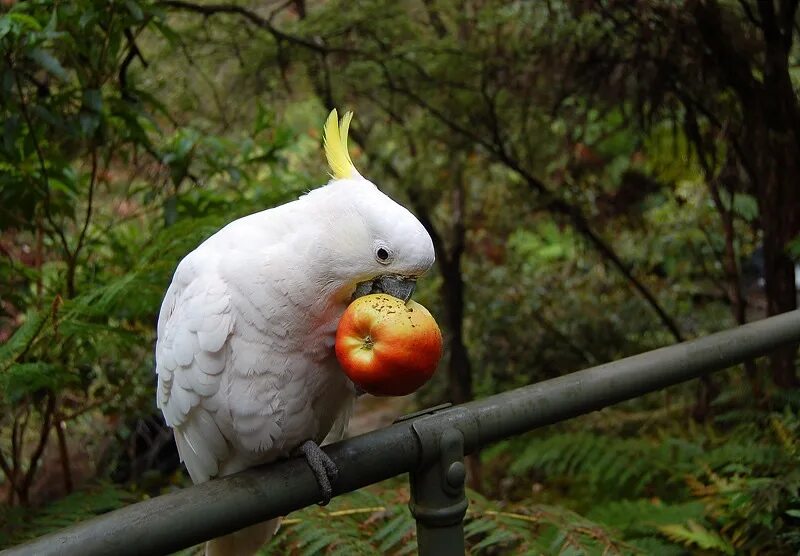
{"x": 430, "y": 445}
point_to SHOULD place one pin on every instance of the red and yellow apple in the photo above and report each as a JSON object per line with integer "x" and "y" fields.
{"x": 386, "y": 346}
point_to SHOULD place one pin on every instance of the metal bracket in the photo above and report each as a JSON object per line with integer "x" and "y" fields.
{"x": 438, "y": 502}
{"x": 429, "y": 426}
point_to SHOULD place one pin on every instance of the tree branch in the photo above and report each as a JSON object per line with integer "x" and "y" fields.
{"x": 748, "y": 12}
{"x": 133, "y": 53}
{"x": 209, "y": 10}
{"x": 44, "y": 434}
{"x": 45, "y": 182}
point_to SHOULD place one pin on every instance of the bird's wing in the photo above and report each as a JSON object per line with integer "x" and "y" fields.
{"x": 339, "y": 428}
{"x": 238, "y": 380}
{"x": 191, "y": 354}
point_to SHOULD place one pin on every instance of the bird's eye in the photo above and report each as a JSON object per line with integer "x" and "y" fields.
{"x": 383, "y": 255}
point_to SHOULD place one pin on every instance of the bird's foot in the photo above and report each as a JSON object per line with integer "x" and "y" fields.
{"x": 323, "y": 467}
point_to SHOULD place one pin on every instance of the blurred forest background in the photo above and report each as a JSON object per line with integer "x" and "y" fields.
{"x": 600, "y": 178}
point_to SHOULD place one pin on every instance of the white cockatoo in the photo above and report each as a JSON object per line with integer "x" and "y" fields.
{"x": 245, "y": 353}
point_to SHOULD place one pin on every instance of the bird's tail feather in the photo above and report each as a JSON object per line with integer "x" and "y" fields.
{"x": 244, "y": 542}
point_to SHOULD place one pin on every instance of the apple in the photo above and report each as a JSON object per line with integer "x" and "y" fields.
{"x": 386, "y": 346}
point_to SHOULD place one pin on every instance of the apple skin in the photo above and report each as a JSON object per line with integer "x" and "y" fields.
{"x": 386, "y": 346}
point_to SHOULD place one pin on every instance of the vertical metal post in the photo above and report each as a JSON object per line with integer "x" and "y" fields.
{"x": 438, "y": 502}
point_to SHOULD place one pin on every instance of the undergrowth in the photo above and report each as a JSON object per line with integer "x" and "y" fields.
{"x": 377, "y": 521}
{"x": 731, "y": 486}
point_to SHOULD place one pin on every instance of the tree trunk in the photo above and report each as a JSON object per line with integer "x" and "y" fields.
{"x": 458, "y": 367}
{"x": 779, "y": 204}
{"x": 768, "y": 144}
{"x": 775, "y": 160}
{"x": 778, "y": 161}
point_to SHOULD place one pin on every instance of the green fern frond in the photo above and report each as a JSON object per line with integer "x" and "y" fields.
{"x": 749, "y": 453}
{"x": 607, "y": 463}
{"x": 539, "y": 529}
{"x": 377, "y": 521}
{"x": 22, "y": 379}
{"x": 655, "y": 545}
{"x": 692, "y": 534}
{"x": 22, "y": 339}
{"x": 368, "y": 521}
{"x": 782, "y": 426}
{"x": 644, "y": 516}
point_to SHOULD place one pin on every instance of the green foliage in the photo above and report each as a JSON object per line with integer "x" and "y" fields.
{"x": 21, "y": 380}
{"x": 369, "y": 521}
{"x": 537, "y": 529}
{"x": 102, "y": 192}
{"x": 607, "y": 463}
{"x": 696, "y": 536}
{"x": 377, "y": 521}
{"x": 19, "y": 343}
{"x": 639, "y": 518}
{"x": 724, "y": 489}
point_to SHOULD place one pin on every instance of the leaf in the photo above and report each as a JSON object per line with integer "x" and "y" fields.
{"x": 11, "y": 129}
{"x": 49, "y": 62}
{"x": 396, "y": 530}
{"x": 694, "y": 534}
{"x": 135, "y": 9}
{"x": 25, "y": 20}
{"x": 498, "y": 536}
{"x": 478, "y": 527}
{"x": 87, "y": 18}
{"x": 52, "y": 24}
{"x": 172, "y": 37}
{"x": 23, "y": 337}
{"x": 644, "y": 515}
{"x": 320, "y": 543}
{"x": 89, "y": 123}
{"x": 93, "y": 99}
{"x": 746, "y": 206}
{"x": 5, "y": 26}
{"x": 23, "y": 379}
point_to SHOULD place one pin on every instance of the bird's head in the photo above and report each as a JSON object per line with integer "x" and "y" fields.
{"x": 376, "y": 245}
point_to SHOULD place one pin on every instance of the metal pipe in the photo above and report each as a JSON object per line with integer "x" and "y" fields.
{"x": 174, "y": 521}
{"x": 170, "y": 522}
{"x": 523, "y": 409}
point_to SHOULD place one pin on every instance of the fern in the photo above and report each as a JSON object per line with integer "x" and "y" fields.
{"x": 659, "y": 546}
{"x": 23, "y": 338}
{"x": 692, "y": 534}
{"x": 367, "y": 522}
{"x": 787, "y": 430}
{"x": 606, "y": 463}
{"x": 642, "y": 517}
{"x": 733, "y": 484}
{"x": 745, "y": 454}
{"x": 377, "y": 521}
{"x": 22, "y": 379}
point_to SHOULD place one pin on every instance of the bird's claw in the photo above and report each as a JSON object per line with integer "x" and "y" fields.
{"x": 323, "y": 467}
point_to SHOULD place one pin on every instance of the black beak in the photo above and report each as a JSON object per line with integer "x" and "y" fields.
{"x": 400, "y": 287}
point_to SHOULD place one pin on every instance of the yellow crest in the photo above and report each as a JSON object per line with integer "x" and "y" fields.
{"x": 336, "y": 146}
